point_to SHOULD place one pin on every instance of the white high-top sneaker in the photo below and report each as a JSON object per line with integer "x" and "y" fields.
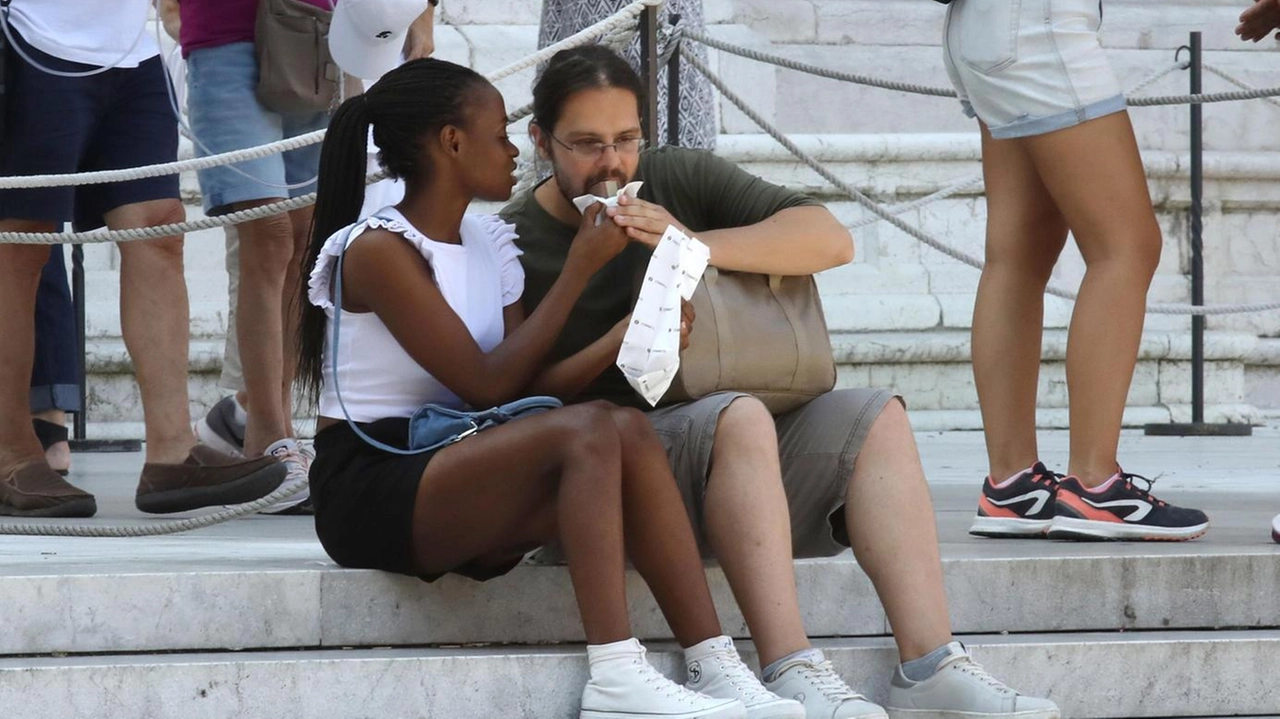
{"x": 811, "y": 680}
{"x": 623, "y": 685}
{"x": 962, "y": 688}
{"x": 715, "y": 669}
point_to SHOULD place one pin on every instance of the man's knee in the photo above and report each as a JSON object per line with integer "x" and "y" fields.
{"x": 891, "y": 427}
{"x": 23, "y": 260}
{"x": 745, "y": 423}
{"x": 266, "y": 244}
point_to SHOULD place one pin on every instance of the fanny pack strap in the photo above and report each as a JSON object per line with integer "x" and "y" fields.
{"x": 337, "y": 325}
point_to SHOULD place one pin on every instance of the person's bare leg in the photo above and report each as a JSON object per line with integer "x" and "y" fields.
{"x": 300, "y": 223}
{"x": 266, "y": 247}
{"x": 20, "y": 267}
{"x": 890, "y": 519}
{"x": 1025, "y": 235}
{"x": 659, "y": 540}
{"x": 155, "y": 322}
{"x": 510, "y": 489}
{"x": 744, "y": 489}
{"x": 1094, "y": 173}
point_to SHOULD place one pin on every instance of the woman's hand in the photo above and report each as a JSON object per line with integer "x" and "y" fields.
{"x": 687, "y": 315}
{"x": 595, "y": 245}
{"x": 1260, "y": 20}
{"x": 644, "y": 221}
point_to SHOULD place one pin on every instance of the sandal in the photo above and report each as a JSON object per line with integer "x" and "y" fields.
{"x": 50, "y": 434}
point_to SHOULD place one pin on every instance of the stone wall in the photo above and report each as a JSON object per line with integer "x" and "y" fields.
{"x": 897, "y": 148}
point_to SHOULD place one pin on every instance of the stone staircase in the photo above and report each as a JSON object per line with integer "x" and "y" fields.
{"x": 901, "y": 310}
{"x": 251, "y": 620}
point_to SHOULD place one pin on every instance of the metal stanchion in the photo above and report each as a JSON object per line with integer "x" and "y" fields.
{"x": 1197, "y": 426}
{"x": 79, "y": 442}
{"x": 649, "y": 73}
{"x": 673, "y": 87}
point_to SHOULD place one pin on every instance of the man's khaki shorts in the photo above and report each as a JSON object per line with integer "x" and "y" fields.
{"x": 817, "y": 443}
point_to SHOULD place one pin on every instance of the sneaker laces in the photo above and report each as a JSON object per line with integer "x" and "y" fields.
{"x": 1145, "y": 492}
{"x": 659, "y": 682}
{"x": 295, "y": 461}
{"x": 965, "y": 663}
{"x": 741, "y": 679}
{"x": 824, "y": 678}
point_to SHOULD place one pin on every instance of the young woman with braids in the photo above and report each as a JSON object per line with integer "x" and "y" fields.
{"x": 431, "y": 313}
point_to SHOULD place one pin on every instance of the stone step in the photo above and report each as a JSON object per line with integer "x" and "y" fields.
{"x": 1148, "y": 674}
{"x": 931, "y": 367}
{"x": 265, "y": 582}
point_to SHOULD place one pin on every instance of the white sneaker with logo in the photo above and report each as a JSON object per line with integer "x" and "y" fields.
{"x": 298, "y": 461}
{"x": 623, "y": 685}
{"x": 961, "y": 688}
{"x": 811, "y": 680}
{"x": 715, "y": 669}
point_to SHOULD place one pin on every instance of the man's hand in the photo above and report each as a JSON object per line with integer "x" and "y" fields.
{"x": 1260, "y": 20}
{"x": 421, "y": 40}
{"x": 644, "y": 221}
{"x": 687, "y": 316}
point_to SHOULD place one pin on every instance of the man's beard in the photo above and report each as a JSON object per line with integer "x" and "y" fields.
{"x": 569, "y": 192}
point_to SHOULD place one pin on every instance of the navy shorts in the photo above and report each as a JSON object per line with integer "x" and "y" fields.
{"x": 115, "y": 119}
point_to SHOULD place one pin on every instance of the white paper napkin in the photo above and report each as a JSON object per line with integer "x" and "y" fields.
{"x": 582, "y": 202}
{"x": 650, "y": 355}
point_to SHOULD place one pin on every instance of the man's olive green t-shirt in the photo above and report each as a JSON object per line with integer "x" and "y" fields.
{"x": 702, "y": 191}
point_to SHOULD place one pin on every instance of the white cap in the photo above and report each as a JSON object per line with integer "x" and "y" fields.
{"x": 366, "y": 37}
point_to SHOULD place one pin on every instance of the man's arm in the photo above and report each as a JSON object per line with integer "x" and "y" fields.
{"x": 1260, "y": 20}
{"x": 814, "y": 239}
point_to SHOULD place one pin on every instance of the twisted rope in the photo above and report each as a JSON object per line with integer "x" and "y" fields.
{"x": 922, "y": 236}
{"x": 156, "y": 528}
{"x": 1237, "y": 82}
{"x": 615, "y": 30}
{"x": 788, "y": 63}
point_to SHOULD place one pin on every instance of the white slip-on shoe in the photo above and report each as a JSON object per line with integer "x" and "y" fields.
{"x": 715, "y": 669}
{"x": 624, "y": 685}
{"x": 811, "y": 680}
{"x": 962, "y": 689}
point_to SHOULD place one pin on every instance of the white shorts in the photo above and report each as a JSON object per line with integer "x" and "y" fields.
{"x": 1029, "y": 67}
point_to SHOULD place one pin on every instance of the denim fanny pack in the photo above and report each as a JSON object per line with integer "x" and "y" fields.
{"x": 432, "y": 426}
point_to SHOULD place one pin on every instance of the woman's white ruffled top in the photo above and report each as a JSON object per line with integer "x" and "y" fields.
{"x": 478, "y": 278}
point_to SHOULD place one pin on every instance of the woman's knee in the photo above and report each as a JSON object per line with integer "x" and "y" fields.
{"x": 891, "y": 429}
{"x": 266, "y": 245}
{"x": 588, "y": 431}
{"x": 746, "y": 419}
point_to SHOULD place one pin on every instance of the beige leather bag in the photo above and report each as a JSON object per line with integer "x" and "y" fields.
{"x": 761, "y": 334}
{"x": 296, "y": 73}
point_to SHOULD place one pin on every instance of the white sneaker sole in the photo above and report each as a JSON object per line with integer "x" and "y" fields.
{"x": 941, "y": 714}
{"x": 728, "y": 710}
{"x": 1009, "y": 527}
{"x": 212, "y": 439}
{"x": 1090, "y": 529}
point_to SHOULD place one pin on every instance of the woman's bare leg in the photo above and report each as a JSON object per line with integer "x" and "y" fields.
{"x": 1025, "y": 235}
{"x": 1094, "y": 173}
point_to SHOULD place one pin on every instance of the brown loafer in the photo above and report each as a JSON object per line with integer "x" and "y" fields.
{"x": 35, "y": 490}
{"x": 208, "y": 478}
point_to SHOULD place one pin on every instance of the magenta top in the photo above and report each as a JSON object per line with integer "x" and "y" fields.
{"x": 211, "y": 23}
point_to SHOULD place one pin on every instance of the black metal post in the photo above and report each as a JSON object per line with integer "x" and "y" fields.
{"x": 79, "y": 441}
{"x": 649, "y": 73}
{"x": 673, "y": 88}
{"x": 77, "y": 299}
{"x": 1197, "y": 234}
{"x": 1197, "y": 425}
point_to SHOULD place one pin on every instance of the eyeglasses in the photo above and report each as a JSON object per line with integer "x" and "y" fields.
{"x": 593, "y": 149}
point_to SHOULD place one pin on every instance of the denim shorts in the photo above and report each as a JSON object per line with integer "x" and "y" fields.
{"x": 226, "y": 115}
{"x": 1030, "y": 67}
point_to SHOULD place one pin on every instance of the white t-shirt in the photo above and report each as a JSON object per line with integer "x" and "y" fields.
{"x": 378, "y": 379}
{"x": 93, "y": 32}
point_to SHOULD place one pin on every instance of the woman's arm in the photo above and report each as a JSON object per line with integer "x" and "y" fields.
{"x": 386, "y": 275}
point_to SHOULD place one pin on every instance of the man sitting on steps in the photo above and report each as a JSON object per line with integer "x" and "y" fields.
{"x": 842, "y": 471}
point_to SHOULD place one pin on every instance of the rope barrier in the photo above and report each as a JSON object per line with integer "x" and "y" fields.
{"x": 155, "y": 529}
{"x": 922, "y": 236}
{"x": 617, "y": 23}
{"x": 912, "y": 88}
